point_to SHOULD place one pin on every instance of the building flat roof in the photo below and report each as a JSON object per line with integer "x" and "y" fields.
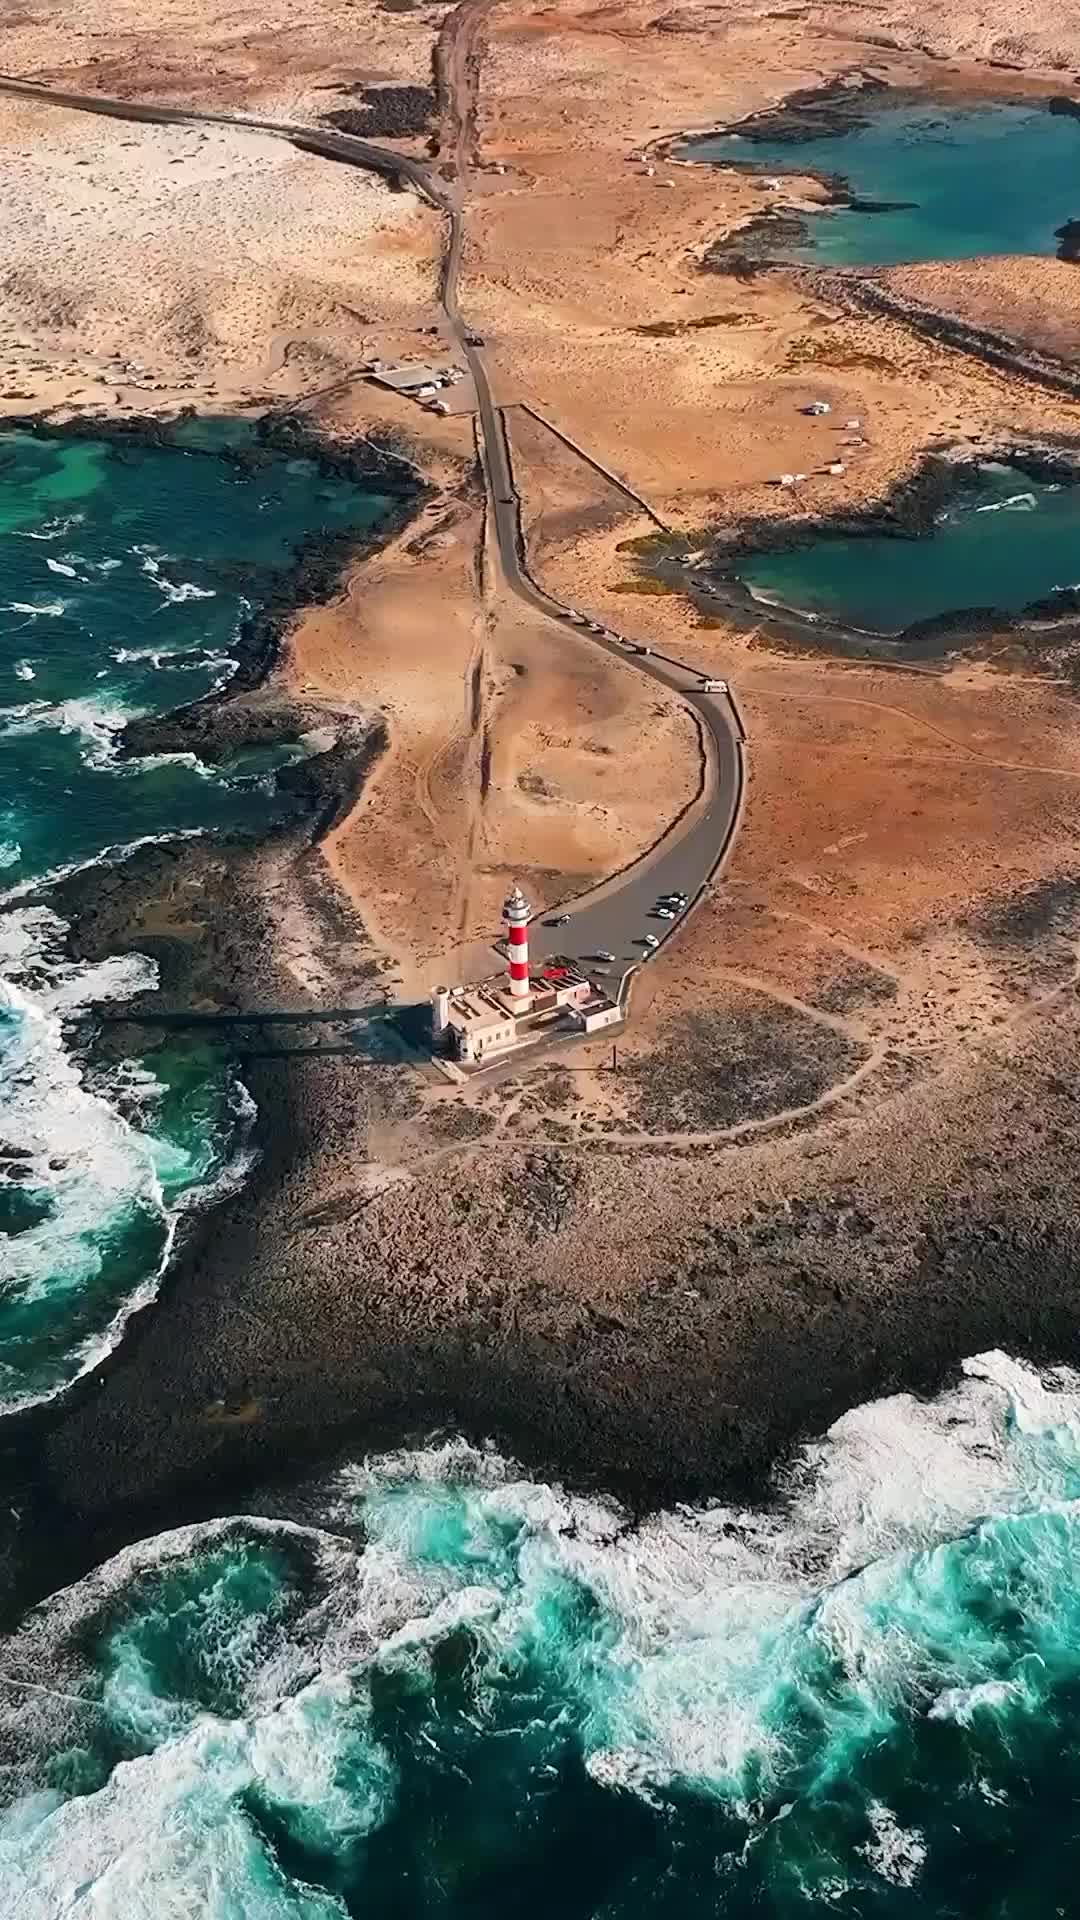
{"x": 472, "y": 1008}
{"x": 404, "y": 379}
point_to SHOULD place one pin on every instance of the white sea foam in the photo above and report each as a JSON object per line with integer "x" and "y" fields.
{"x": 1016, "y": 503}
{"x": 97, "y": 723}
{"x": 165, "y": 1837}
{"x": 61, "y": 566}
{"x": 31, "y": 609}
{"x": 10, "y": 853}
{"x": 52, "y": 529}
{"x": 82, "y": 1155}
{"x": 716, "y": 1644}
{"x": 98, "y": 1173}
{"x": 173, "y": 593}
{"x": 23, "y": 670}
{"x": 158, "y": 656}
{"x": 896, "y": 1852}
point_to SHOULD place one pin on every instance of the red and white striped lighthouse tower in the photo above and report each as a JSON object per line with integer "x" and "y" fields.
{"x": 516, "y": 912}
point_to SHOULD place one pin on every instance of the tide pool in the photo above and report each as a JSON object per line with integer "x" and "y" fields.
{"x": 128, "y": 573}
{"x": 1005, "y": 542}
{"x": 980, "y": 180}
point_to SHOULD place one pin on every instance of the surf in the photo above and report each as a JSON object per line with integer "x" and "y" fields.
{"x": 848, "y": 1696}
{"x": 177, "y": 553}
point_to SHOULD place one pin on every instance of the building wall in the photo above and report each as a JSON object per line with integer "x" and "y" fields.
{"x": 600, "y": 1017}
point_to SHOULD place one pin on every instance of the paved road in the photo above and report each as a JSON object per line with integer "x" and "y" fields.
{"x": 345, "y": 147}
{"x": 613, "y": 917}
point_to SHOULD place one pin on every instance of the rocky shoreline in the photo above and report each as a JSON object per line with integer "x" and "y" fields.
{"x": 524, "y": 1296}
{"x": 290, "y": 1333}
{"x": 837, "y": 108}
{"x": 111, "y": 909}
{"x": 909, "y": 512}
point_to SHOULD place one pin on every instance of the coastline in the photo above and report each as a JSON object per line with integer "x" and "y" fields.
{"x": 908, "y": 511}
{"x": 110, "y": 905}
{"x": 747, "y": 1320}
{"x": 137, "y": 1443}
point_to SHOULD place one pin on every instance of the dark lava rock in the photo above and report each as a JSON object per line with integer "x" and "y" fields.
{"x": 752, "y": 247}
{"x": 389, "y": 112}
{"x": 1063, "y": 103}
{"x": 1032, "y": 914}
{"x": 1056, "y": 605}
{"x": 1069, "y": 237}
{"x": 813, "y": 113}
{"x": 961, "y": 621}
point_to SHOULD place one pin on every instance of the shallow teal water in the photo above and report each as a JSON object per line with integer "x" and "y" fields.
{"x": 1005, "y": 542}
{"x": 456, "y": 1692}
{"x": 127, "y": 575}
{"x": 994, "y": 179}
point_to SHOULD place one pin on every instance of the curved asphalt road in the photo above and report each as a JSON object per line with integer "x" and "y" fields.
{"x": 614, "y": 916}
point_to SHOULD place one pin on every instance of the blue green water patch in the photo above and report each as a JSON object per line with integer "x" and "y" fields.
{"x": 1005, "y": 542}
{"x": 128, "y": 576}
{"x": 975, "y": 180}
{"x": 456, "y": 1692}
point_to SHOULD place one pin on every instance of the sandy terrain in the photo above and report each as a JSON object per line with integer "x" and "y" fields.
{"x": 262, "y": 57}
{"x": 1039, "y": 303}
{"x": 837, "y": 1146}
{"x": 515, "y": 753}
{"x": 145, "y": 265}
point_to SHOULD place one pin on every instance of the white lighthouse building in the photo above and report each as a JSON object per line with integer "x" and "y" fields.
{"x": 516, "y": 911}
{"x": 477, "y": 1024}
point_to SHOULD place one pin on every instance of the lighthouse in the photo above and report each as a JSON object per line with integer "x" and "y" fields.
{"x": 516, "y": 912}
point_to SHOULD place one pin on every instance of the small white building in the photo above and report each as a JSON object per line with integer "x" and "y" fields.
{"x": 601, "y": 1014}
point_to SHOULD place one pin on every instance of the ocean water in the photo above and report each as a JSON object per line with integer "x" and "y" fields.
{"x": 448, "y": 1690}
{"x": 126, "y": 576}
{"x": 1006, "y": 541}
{"x": 983, "y": 180}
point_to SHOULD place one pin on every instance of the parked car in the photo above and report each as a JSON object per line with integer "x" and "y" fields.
{"x": 603, "y": 954}
{"x": 651, "y": 940}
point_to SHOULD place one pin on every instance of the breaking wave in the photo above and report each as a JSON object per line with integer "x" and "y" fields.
{"x": 94, "y": 1171}
{"x": 456, "y": 1690}
{"x": 31, "y": 609}
{"x": 1016, "y": 503}
{"x": 173, "y": 556}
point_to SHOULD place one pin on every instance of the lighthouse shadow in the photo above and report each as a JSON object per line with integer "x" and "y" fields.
{"x": 408, "y": 1026}
{"x": 376, "y": 1037}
